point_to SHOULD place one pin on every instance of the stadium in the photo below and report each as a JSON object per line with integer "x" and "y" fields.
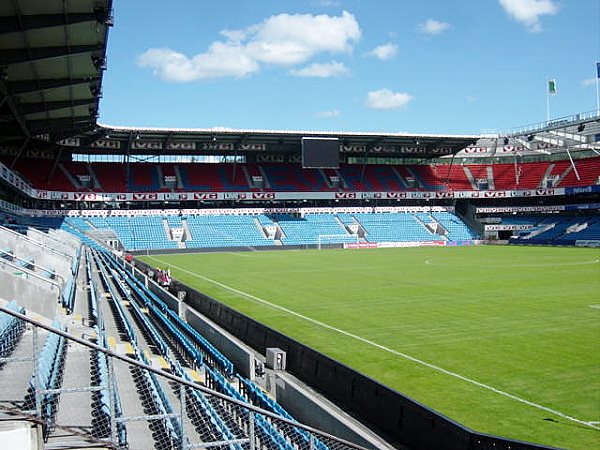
{"x": 227, "y": 288}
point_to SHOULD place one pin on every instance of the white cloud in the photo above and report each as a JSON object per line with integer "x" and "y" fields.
{"x": 221, "y": 60}
{"x": 433, "y": 27}
{"x": 385, "y": 99}
{"x": 322, "y": 70}
{"x": 528, "y": 12}
{"x": 471, "y": 99}
{"x": 285, "y": 39}
{"x": 294, "y": 39}
{"x": 329, "y": 114}
{"x": 385, "y": 51}
{"x": 588, "y": 82}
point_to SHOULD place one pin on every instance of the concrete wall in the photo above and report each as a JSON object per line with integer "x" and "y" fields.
{"x": 233, "y": 349}
{"x": 31, "y": 293}
{"x": 310, "y": 408}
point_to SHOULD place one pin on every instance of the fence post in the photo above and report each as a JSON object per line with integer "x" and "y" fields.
{"x": 251, "y": 430}
{"x": 36, "y": 375}
{"x": 182, "y": 414}
{"x": 114, "y": 433}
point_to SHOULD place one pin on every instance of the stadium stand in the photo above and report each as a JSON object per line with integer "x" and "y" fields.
{"x": 149, "y": 177}
{"x": 224, "y": 231}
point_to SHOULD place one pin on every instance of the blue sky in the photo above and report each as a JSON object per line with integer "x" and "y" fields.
{"x": 434, "y": 66}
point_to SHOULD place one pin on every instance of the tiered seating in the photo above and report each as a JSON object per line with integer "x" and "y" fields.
{"x": 504, "y": 176}
{"x": 49, "y": 376}
{"x": 11, "y": 329}
{"x": 185, "y": 335}
{"x": 225, "y": 231}
{"x": 111, "y": 176}
{"x": 212, "y": 177}
{"x": 588, "y": 170}
{"x": 306, "y": 230}
{"x": 530, "y": 175}
{"x": 143, "y": 177}
{"x": 394, "y": 227}
{"x": 136, "y": 232}
{"x": 383, "y": 178}
{"x": 346, "y": 219}
{"x": 292, "y": 177}
{"x": 207, "y": 414}
{"x": 456, "y": 228}
{"x": 478, "y": 171}
{"x": 100, "y": 373}
{"x": 355, "y": 179}
{"x": 157, "y": 402}
{"x": 558, "y": 230}
{"x": 42, "y": 174}
{"x": 431, "y": 177}
{"x": 298, "y": 436}
{"x": 456, "y": 176}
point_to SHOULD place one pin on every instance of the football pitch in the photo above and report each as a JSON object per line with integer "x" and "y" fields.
{"x": 505, "y": 340}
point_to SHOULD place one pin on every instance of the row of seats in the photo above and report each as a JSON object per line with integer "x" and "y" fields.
{"x": 266, "y": 432}
{"x": 558, "y": 230}
{"x": 215, "y": 231}
{"x": 298, "y": 436}
{"x": 100, "y": 375}
{"x": 144, "y": 177}
{"x": 157, "y": 402}
{"x": 224, "y": 231}
{"x": 49, "y": 376}
{"x": 184, "y": 333}
{"x": 217, "y": 368}
{"x": 307, "y": 229}
{"x": 11, "y": 329}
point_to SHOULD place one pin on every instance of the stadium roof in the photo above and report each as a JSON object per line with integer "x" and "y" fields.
{"x": 224, "y": 141}
{"x": 52, "y": 56}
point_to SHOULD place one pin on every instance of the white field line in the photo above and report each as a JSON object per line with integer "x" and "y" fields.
{"x": 389, "y": 350}
{"x": 595, "y": 306}
{"x": 431, "y": 262}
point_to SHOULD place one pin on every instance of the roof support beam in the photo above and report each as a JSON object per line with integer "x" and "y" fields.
{"x": 27, "y": 86}
{"x": 33, "y": 22}
{"x": 17, "y": 55}
{"x": 47, "y": 125}
{"x": 15, "y": 112}
{"x": 32, "y": 108}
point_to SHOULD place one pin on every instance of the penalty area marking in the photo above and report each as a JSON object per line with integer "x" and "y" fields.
{"x": 387, "y": 349}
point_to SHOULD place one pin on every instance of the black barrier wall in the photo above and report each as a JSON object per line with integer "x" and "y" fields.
{"x": 399, "y": 419}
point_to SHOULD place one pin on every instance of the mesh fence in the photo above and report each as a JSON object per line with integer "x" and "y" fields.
{"x": 83, "y": 394}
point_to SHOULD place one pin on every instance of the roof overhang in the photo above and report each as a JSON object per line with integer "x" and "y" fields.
{"x": 52, "y": 57}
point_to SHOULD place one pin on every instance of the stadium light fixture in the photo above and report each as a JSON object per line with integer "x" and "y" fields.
{"x": 505, "y": 141}
{"x": 581, "y": 127}
{"x": 530, "y": 138}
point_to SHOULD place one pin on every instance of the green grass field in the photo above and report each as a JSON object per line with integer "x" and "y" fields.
{"x": 505, "y": 340}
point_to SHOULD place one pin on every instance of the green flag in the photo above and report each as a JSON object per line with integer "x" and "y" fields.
{"x": 552, "y": 87}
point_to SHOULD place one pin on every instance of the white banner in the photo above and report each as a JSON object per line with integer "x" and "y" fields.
{"x": 508, "y": 227}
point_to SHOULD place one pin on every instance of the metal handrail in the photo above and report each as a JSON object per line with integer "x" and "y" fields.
{"x": 179, "y": 380}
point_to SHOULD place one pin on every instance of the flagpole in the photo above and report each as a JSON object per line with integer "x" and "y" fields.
{"x": 547, "y": 100}
{"x": 597, "y": 89}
